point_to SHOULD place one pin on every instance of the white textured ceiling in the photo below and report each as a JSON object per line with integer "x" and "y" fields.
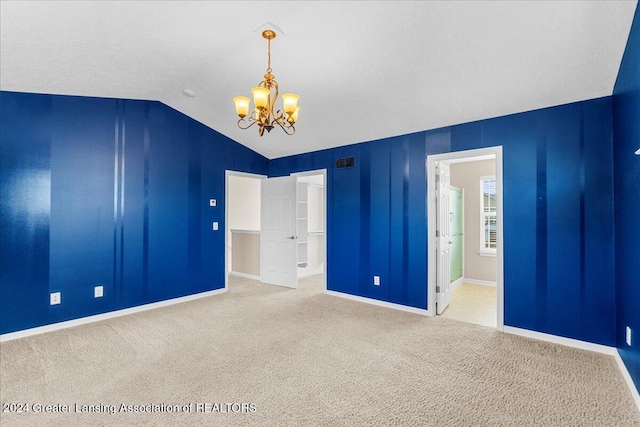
{"x": 363, "y": 70}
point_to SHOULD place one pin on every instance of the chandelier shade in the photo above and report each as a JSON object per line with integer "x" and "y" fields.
{"x": 265, "y": 96}
{"x": 242, "y": 105}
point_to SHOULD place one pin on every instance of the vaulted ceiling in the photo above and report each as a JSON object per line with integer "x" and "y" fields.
{"x": 363, "y": 70}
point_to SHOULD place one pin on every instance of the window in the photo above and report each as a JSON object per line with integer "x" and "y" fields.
{"x": 488, "y": 216}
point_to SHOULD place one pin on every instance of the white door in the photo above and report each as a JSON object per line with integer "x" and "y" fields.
{"x": 443, "y": 238}
{"x": 278, "y": 238}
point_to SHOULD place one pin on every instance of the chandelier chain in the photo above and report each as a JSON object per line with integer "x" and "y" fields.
{"x": 269, "y": 56}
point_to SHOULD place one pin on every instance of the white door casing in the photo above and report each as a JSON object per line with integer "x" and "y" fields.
{"x": 278, "y": 238}
{"x": 443, "y": 238}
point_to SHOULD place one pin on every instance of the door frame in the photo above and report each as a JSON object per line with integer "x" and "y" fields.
{"x": 227, "y": 174}
{"x": 431, "y": 225}
{"x": 322, "y": 172}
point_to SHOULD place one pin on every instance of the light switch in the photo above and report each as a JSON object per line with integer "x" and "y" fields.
{"x": 215, "y": 225}
{"x": 376, "y": 280}
{"x": 212, "y": 202}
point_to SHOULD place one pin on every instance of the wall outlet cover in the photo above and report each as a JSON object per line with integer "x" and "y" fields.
{"x": 98, "y": 291}
{"x": 215, "y": 226}
{"x": 55, "y": 298}
{"x": 212, "y": 202}
{"x": 376, "y": 280}
{"x": 628, "y": 336}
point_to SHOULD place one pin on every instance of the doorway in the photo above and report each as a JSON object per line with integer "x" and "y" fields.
{"x": 242, "y": 225}
{"x": 245, "y": 229}
{"x": 312, "y": 260}
{"x": 470, "y": 246}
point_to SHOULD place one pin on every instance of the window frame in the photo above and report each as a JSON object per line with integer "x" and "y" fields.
{"x": 484, "y": 250}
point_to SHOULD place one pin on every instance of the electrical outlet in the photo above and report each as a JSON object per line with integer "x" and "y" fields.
{"x": 55, "y": 298}
{"x": 628, "y": 336}
{"x": 376, "y": 280}
{"x": 215, "y": 226}
{"x": 98, "y": 291}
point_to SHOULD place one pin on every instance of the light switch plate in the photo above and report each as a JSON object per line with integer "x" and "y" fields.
{"x": 376, "y": 280}
{"x": 98, "y": 291}
{"x": 212, "y": 202}
{"x": 628, "y": 336}
{"x": 215, "y": 225}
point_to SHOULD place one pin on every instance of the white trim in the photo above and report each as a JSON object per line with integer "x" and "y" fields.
{"x": 104, "y": 316}
{"x": 322, "y": 172}
{"x": 246, "y": 276}
{"x": 310, "y": 273}
{"x": 479, "y": 282}
{"x": 487, "y": 252}
{"x": 227, "y": 244}
{"x": 467, "y": 155}
{"x": 234, "y": 230}
{"x": 456, "y": 283}
{"x": 379, "y": 303}
{"x": 627, "y": 378}
{"x": 569, "y": 342}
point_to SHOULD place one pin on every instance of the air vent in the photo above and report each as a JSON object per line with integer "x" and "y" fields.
{"x": 347, "y": 162}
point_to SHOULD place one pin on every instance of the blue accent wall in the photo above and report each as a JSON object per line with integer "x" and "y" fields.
{"x": 107, "y": 192}
{"x": 558, "y": 215}
{"x": 115, "y": 193}
{"x": 626, "y": 131}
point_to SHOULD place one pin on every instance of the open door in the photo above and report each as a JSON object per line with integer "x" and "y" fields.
{"x": 278, "y": 235}
{"x": 443, "y": 238}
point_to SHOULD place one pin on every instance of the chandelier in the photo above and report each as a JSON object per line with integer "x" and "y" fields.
{"x": 264, "y": 98}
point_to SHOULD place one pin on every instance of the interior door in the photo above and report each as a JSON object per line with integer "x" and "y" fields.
{"x": 278, "y": 238}
{"x": 456, "y": 216}
{"x": 443, "y": 237}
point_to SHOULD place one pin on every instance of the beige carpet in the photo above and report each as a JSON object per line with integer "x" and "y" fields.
{"x": 473, "y": 303}
{"x": 302, "y": 358}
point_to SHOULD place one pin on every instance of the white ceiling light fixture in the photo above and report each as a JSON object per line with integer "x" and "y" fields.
{"x": 265, "y": 96}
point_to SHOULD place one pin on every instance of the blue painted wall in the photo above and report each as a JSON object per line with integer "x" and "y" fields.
{"x": 626, "y": 132}
{"x": 107, "y": 192}
{"x": 558, "y": 215}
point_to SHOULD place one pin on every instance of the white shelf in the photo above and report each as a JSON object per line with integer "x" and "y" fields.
{"x": 303, "y": 223}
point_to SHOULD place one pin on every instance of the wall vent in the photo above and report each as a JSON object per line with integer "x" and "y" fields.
{"x": 346, "y": 162}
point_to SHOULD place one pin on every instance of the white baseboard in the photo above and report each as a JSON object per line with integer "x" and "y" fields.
{"x": 479, "y": 282}
{"x": 569, "y": 342}
{"x": 246, "y": 276}
{"x": 457, "y": 283}
{"x": 627, "y": 377}
{"x": 380, "y": 303}
{"x": 104, "y": 316}
{"x": 310, "y": 273}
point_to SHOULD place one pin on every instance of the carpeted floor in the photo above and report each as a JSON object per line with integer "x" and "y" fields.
{"x": 302, "y": 358}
